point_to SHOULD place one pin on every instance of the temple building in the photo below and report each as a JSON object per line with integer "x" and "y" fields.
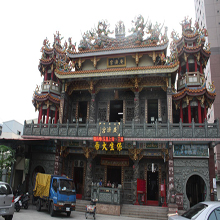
{"x": 118, "y": 108}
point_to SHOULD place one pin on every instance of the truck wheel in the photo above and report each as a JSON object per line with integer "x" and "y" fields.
{"x": 38, "y": 205}
{"x": 68, "y": 214}
{"x": 52, "y": 212}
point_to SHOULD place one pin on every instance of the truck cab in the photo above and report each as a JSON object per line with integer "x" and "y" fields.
{"x": 62, "y": 195}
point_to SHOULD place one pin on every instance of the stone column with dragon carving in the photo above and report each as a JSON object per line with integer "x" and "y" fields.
{"x": 136, "y": 107}
{"x": 135, "y": 155}
{"x": 88, "y": 153}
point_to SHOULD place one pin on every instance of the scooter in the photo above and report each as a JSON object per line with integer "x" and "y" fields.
{"x": 24, "y": 200}
{"x": 18, "y": 203}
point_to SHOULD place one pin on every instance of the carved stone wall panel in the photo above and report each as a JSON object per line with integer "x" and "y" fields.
{"x": 184, "y": 169}
{"x": 36, "y": 131}
{"x": 127, "y": 132}
{"x": 62, "y": 131}
{"x": 53, "y": 131}
{"x": 150, "y": 133}
{"x": 138, "y": 132}
{"x": 92, "y": 131}
{"x": 187, "y": 132}
{"x": 212, "y": 133}
{"x": 199, "y": 133}
{"x": 44, "y": 160}
{"x": 164, "y": 110}
{"x": 44, "y": 131}
{"x": 82, "y": 132}
{"x": 162, "y": 132}
{"x": 175, "y": 133}
{"x": 72, "y": 132}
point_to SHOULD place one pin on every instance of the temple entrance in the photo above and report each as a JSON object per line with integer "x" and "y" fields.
{"x": 152, "y": 188}
{"x": 114, "y": 175}
{"x": 195, "y": 190}
{"x": 78, "y": 180}
{"x": 116, "y": 110}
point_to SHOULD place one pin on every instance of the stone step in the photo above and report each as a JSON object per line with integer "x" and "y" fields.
{"x": 81, "y": 205}
{"x": 133, "y": 211}
{"x": 147, "y": 212}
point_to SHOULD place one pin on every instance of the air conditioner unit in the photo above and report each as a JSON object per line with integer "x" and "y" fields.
{"x": 78, "y": 163}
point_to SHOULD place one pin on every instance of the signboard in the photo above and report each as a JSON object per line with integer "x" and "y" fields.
{"x": 191, "y": 150}
{"x": 108, "y": 139}
{"x": 110, "y": 129}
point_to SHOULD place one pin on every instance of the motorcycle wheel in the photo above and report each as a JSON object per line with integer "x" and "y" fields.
{"x": 17, "y": 209}
{"x": 26, "y": 206}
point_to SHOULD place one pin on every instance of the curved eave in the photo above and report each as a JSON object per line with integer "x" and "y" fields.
{"x": 194, "y": 92}
{"x": 44, "y": 97}
{"x": 46, "y": 61}
{"x": 59, "y": 50}
{"x": 117, "y": 71}
{"x": 118, "y": 50}
{"x": 190, "y": 37}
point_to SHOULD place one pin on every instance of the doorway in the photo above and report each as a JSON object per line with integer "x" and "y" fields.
{"x": 116, "y": 110}
{"x": 152, "y": 110}
{"x": 152, "y": 186}
{"x": 114, "y": 175}
{"x": 82, "y": 112}
{"x": 78, "y": 180}
{"x": 195, "y": 190}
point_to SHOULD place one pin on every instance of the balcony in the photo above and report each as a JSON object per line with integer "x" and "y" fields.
{"x": 193, "y": 79}
{"x": 166, "y": 131}
{"x": 51, "y": 86}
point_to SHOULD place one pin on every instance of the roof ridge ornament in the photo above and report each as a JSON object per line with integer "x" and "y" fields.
{"x": 120, "y": 29}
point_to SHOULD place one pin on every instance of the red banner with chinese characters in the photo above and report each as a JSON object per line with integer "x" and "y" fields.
{"x": 107, "y": 139}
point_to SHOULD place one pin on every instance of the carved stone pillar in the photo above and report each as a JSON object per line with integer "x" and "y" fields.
{"x": 135, "y": 177}
{"x": 136, "y": 107}
{"x": 58, "y": 160}
{"x": 171, "y": 169}
{"x": 92, "y": 109}
{"x": 63, "y": 112}
{"x": 169, "y": 105}
{"x": 211, "y": 170}
{"x": 88, "y": 178}
{"x": 136, "y": 155}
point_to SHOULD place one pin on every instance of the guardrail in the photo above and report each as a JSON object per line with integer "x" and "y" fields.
{"x": 141, "y": 130}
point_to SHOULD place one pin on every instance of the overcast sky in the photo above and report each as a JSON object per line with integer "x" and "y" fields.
{"x": 25, "y": 24}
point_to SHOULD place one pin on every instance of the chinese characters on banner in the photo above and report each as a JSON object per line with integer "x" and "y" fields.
{"x": 110, "y": 146}
{"x": 109, "y": 129}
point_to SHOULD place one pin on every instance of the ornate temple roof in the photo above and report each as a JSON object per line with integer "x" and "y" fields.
{"x": 62, "y": 74}
{"x": 41, "y": 97}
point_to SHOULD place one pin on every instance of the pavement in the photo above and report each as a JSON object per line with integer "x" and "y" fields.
{"x": 32, "y": 214}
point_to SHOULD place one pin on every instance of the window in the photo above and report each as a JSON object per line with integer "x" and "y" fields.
{"x": 215, "y": 214}
{"x": 18, "y": 133}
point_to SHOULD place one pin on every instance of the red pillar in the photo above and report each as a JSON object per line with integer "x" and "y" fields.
{"x": 195, "y": 60}
{"x": 48, "y": 112}
{"x": 189, "y": 114}
{"x": 40, "y": 114}
{"x": 201, "y": 66}
{"x": 45, "y": 76}
{"x": 199, "y": 112}
{"x": 181, "y": 111}
{"x": 55, "y": 121}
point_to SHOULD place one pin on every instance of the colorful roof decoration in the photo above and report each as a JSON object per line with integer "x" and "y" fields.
{"x": 142, "y": 34}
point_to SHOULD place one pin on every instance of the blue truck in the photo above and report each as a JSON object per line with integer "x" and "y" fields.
{"x": 56, "y": 193}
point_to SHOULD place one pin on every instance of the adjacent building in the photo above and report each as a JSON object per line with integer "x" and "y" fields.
{"x": 208, "y": 16}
